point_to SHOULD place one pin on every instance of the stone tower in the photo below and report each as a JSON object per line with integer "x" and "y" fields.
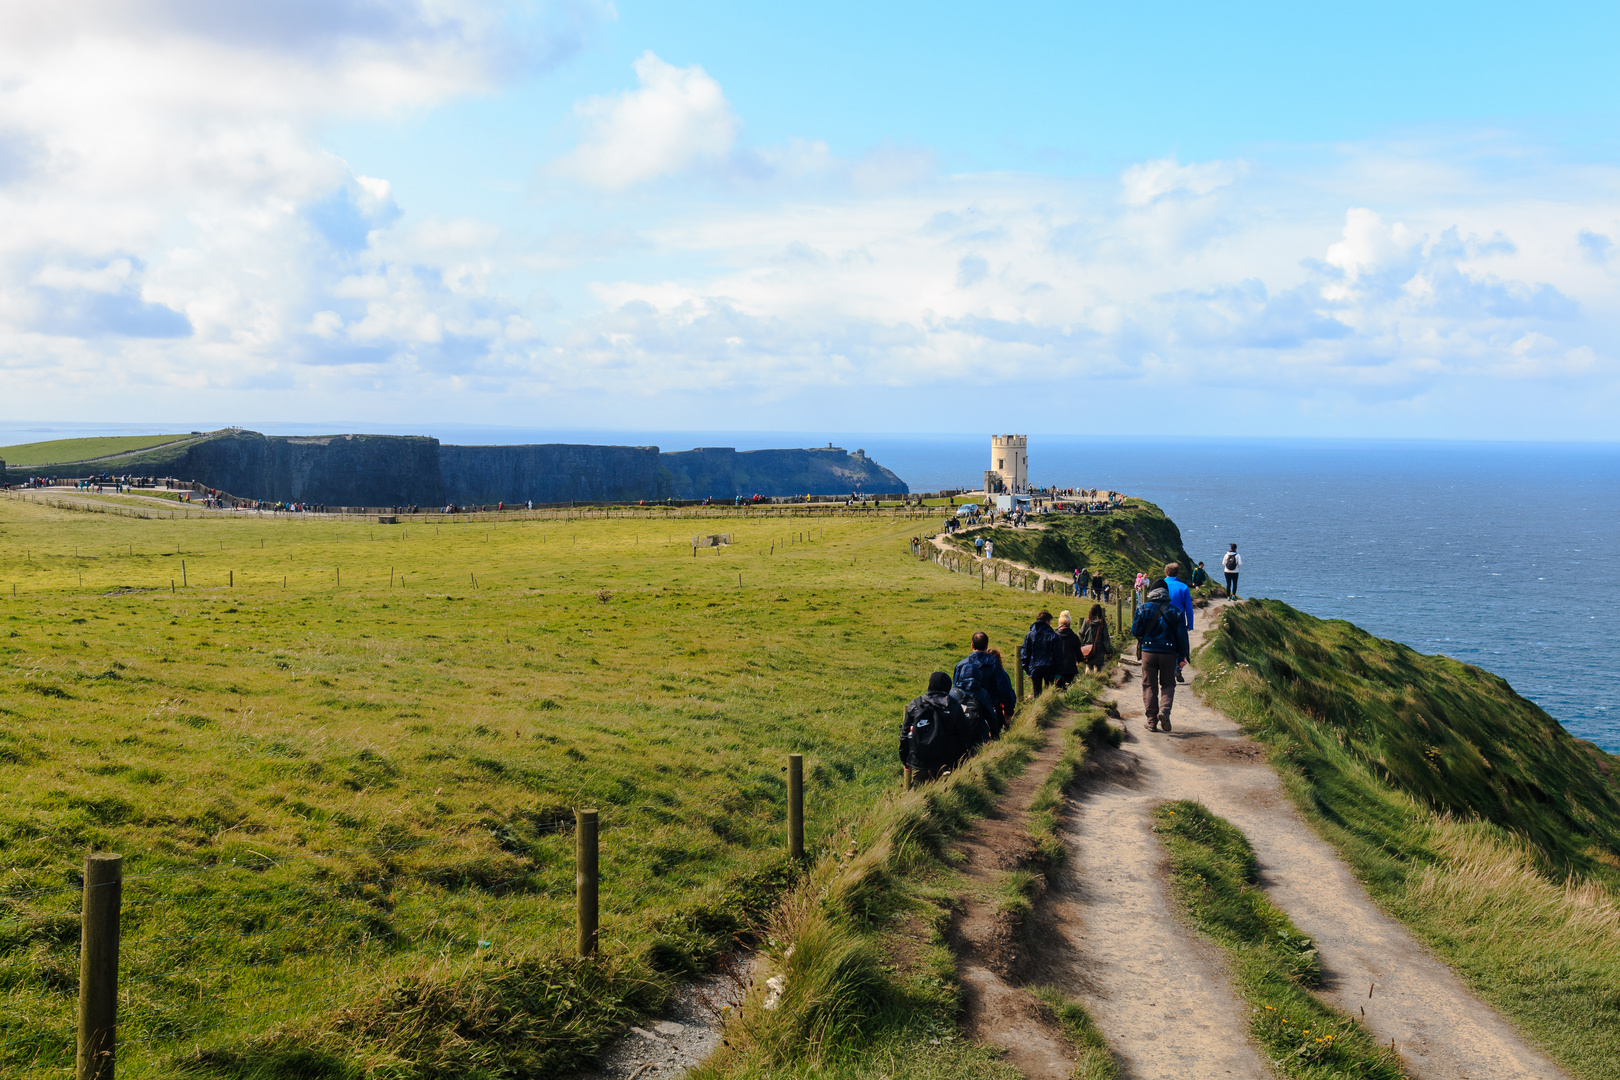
{"x": 1009, "y": 463}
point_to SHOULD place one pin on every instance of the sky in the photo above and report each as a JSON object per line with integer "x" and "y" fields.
{"x": 1335, "y": 219}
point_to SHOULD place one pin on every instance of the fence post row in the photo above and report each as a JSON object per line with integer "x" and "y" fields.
{"x": 98, "y": 965}
{"x": 585, "y": 879}
{"x": 796, "y": 806}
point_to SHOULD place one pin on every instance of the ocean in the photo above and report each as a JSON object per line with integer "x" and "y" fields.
{"x": 1492, "y": 553}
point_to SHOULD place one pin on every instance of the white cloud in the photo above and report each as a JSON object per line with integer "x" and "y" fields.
{"x": 677, "y": 119}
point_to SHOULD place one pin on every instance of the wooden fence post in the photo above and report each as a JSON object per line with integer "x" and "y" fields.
{"x": 796, "y": 807}
{"x": 1020, "y": 668}
{"x": 585, "y": 865}
{"x": 98, "y": 965}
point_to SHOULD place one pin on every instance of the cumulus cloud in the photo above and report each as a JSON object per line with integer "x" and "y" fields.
{"x": 676, "y": 119}
{"x": 172, "y": 217}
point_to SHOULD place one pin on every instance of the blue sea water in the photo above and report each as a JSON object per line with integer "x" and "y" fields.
{"x": 1498, "y": 554}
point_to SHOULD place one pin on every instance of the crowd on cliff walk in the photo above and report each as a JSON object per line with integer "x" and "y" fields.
{"x": 962, "y": 710}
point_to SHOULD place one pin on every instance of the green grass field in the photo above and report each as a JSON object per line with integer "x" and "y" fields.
{"x": 62, "y": 451}
{"x": 1469, "y": 812}
{"x": 343, "y": 802}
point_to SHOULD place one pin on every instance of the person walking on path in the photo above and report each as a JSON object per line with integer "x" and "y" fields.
{"x": 1180, "y": 599}
{"x": 985, "y": 687}
{"x": 1071, "y": 651}
{"x": 1231, "y": 563}
{"x": 934, "y": 732}
{"x": 978, "y": 545}
{"x": 1093, "y": 635}
{"x": 1081, "y": 579}
{"x": 1200, "y": 576}
{"x": 1097, "y": 586}
{"x": 1163, "y": 634}
{"x": 1041, "y": 655}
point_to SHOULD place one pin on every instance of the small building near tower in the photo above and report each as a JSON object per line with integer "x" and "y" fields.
{"x": 1009, "y": 464}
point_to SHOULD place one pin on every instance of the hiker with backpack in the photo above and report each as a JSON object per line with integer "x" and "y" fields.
{"x": 1163, "y": 634}
{"x": 934, "y": 735}
{"x": 1200, "y": 575}
{"x": 1093, "y": 635}
{"x": 983, "y": 688}
{"x": 1231, "y": 563}
{"x": 1041, "y": 654}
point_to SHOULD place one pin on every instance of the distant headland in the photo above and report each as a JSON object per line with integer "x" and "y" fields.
{"x": 404, "y": 470}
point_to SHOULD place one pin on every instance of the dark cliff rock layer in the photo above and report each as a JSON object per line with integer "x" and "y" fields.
{"x": 549, "y": 473}
{"x": 721, "y": 473}
{"x": 394, "y": 470}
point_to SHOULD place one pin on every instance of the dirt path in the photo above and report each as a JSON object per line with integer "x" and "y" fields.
{"x": 1161, "y": 999}
{"x": 995, "y": 955}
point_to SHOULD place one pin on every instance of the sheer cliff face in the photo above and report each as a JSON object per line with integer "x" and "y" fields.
{"x": 337, "y": 470}
{"x": 549, "y": 473}
{"x": 721, "y": 473}
{"x": 391, "y": 470}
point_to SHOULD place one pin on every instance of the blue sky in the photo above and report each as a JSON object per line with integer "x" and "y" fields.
{"x": 1315, "y": 219}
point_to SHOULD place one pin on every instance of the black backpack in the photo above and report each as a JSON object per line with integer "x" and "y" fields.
{"x": 931, "y": 729}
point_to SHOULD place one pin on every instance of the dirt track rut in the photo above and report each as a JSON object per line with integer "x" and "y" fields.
{"x": 1163, "y": 1000}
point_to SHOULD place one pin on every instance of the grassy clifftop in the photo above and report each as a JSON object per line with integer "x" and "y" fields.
{"x": 1119, "y": 544}
{"x": 1467, "y": 811}
{"x": 1451, "y": 735}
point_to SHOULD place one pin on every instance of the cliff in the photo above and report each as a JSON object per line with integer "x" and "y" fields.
{"x": 722, "y": 473}
{"x": 339, "y": 470}
{"x": 393, "y": 470}
{"x": 549, "y": 473}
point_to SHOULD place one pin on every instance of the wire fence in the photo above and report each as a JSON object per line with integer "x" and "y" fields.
{"x": 237, "y": 947}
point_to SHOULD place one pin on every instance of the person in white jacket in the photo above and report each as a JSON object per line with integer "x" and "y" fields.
{"x": 1231, "y": 563}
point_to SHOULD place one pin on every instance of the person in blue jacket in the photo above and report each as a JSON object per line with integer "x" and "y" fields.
{"x": 982, "y": 685}
{"x": 1163, "y": 634}
{"x": 1180, "y": 599}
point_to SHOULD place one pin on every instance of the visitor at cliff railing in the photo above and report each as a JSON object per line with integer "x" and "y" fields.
{"x": 1041, "y": 654}
{"x": 1163, "y": 634}
{"x": 983, "y": 683}
{"x": 934, "y": 732}
{"x": 1071, "y": 651}
{"x": 1093, "y": 635}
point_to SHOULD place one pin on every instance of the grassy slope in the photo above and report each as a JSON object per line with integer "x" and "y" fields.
{"x": 62, "y": 451}
{"x": 1467, "y": 810}
{"x": 1120, "y": 544}
{"x": 434, "y": 734}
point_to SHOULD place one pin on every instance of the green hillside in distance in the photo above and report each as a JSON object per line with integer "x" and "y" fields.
{"x": 1117, "y": 545}
{"x": 63, "y": 451}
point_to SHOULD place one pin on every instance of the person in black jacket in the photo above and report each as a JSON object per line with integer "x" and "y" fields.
{"x": 1042, "y": 653}
{"x": 934, "y": 734}
{"x": 1163, "y": 634}
{"x": 1071, "y": 651}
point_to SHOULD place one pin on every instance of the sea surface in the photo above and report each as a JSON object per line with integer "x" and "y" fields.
{"x": 1499, "y": 554}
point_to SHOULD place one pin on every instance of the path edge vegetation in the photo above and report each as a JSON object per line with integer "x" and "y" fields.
{"x": 836, "y": 994}
{"x": 1528, "y": 917}
{"x": 1215, "y": 879}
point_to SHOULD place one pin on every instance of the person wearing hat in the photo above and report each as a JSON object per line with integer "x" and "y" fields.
{"x": 1163, "y": 634}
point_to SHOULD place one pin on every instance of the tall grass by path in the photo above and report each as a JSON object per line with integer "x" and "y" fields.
{"x": 1467, "y": 811}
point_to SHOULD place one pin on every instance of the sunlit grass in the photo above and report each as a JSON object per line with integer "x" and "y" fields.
{"x": 388, "y": 765}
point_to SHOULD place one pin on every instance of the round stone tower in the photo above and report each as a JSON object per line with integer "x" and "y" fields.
{"x": 1009, "y": 462}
